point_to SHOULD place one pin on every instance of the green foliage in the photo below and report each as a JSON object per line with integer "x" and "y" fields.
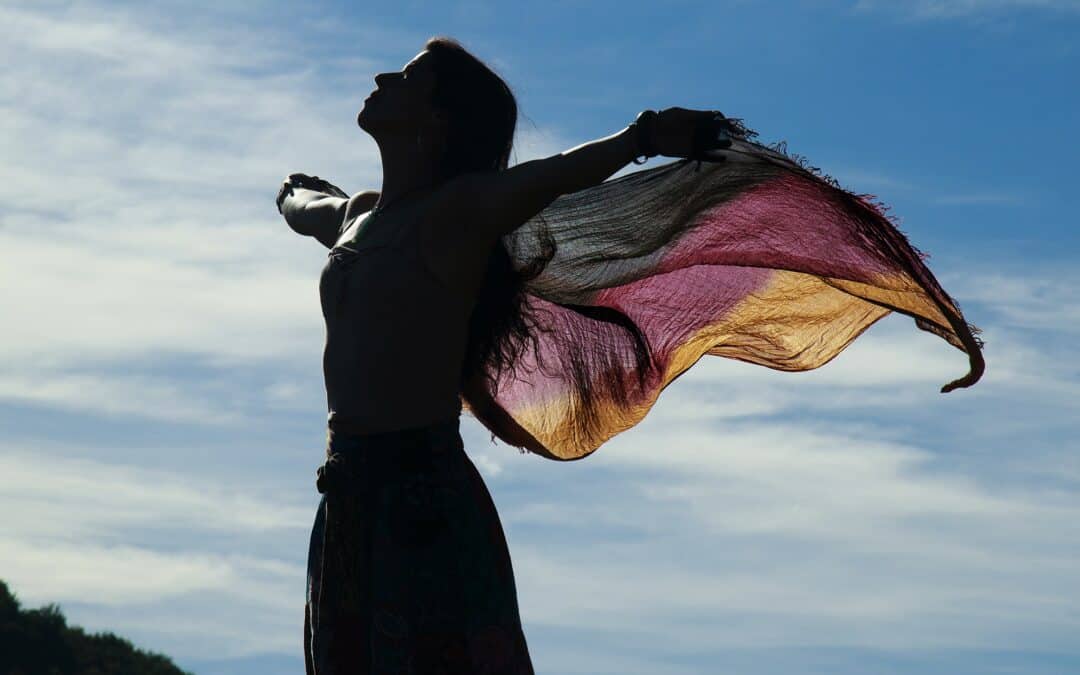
{"x": 39, "y": 642}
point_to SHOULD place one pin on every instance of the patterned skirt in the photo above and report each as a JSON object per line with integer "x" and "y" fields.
{"x": 408, "y": 569}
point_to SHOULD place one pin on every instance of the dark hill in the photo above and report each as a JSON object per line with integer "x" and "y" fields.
{"x": 39, "y": 642}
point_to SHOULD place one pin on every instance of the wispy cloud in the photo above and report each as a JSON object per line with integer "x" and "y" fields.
{"x": 88, "y": 533}
{"x": 1046, "y": 297}
{"x": 943, "y": 9}
{"x": 869, "y": 180}
{"x": 860, "y": 179}
{"x": 978, "y": 198}
{"x": 113, "y": 394}
{"x": 800, "y": 530}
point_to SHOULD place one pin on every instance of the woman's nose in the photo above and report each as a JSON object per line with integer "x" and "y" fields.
{"x": 382, "y": 78}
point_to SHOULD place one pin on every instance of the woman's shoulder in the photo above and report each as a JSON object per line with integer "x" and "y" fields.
{"x": 360, "y": 202}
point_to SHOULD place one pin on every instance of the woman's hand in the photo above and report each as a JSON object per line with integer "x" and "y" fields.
{"x": 284, "y": 191}
{"x": 681, "y": 132}
{"x": 301, "y": 180}
{"x": 319, "y": 185}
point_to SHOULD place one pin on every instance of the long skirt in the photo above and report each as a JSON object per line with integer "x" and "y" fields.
{"x": 408, "y": 567}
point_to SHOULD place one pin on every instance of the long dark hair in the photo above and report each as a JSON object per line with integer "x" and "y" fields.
{"x": 482, "y": 116}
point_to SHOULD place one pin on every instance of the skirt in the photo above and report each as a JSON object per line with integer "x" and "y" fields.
{"x": 408, "y": 568}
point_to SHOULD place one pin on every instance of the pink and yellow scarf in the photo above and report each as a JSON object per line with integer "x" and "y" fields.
{"x": 756, "y": 258}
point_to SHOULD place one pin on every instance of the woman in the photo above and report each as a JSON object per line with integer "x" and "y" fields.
{"x": 408, "y": 568}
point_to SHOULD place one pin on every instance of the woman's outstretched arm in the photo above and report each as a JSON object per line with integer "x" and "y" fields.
{"x": 320, "y": 213}
{"x": 590, "y": 163}
{"x": 307, "y": 211}
{"x": 495, "y": 203}
{"x": 498, "y": 202}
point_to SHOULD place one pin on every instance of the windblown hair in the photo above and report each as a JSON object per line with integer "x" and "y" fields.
{"x": 620, "y": 287}
{"x": 482, "y": 116}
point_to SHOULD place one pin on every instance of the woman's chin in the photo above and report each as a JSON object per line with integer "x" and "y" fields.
{"x": 365, "y": 115}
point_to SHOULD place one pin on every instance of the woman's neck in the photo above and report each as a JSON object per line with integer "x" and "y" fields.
{"x": 407, "y": 170}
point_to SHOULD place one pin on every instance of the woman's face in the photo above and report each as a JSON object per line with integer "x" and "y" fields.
{"x": 401, "y": 102}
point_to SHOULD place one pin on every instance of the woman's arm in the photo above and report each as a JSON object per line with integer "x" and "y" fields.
{"x": 494, "y": 203}
{"x": 315, "y": 214}
{"x": 590, "y": 163}
{"x": 317, "y": 208}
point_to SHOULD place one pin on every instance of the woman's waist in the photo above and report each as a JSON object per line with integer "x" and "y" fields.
{"x": 352, "y": 430}
{"x": 385, "y": 411}
{"x": 356, "y": 459}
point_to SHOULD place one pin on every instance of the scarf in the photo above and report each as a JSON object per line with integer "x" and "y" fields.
{"x": 749, "y": 255}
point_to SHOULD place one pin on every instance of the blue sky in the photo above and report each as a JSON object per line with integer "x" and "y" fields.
{"x": 160, "y": 388}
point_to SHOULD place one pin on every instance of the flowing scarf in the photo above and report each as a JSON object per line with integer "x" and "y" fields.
{"x": 750, "y": 255}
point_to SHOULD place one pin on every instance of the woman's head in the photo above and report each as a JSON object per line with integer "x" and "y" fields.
{"x": 464, "y": 114}
{"x": 401, "y": 102}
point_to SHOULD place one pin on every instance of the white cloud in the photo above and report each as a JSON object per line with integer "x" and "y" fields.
{"x": 119, "y": 395}
{"x": 1046, "y": 298}
{"x": 49, "y": 495}
{"x": 107, "y": 575}
{"x": 841, "y": 537}
{"x": 90, "y": 533}
{"x": 187, "y": 605}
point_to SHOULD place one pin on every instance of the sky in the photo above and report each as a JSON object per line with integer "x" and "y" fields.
{"x": 162, "y": 411}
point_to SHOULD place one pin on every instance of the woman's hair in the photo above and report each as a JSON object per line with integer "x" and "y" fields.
{"x": 482, "y": 115}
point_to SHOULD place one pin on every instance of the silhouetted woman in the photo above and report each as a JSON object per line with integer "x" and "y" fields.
{"x": 408, "y": 569}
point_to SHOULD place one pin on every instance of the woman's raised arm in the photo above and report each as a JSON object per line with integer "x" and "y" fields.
{"x": 307, "y": 211}
{"x": 316, "y": 212}
{"x": 499, "y": 202}
{"x": 494, "y": 203}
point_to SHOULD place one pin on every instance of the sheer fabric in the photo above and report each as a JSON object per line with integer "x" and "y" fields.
{"x": 757, "y": 257}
